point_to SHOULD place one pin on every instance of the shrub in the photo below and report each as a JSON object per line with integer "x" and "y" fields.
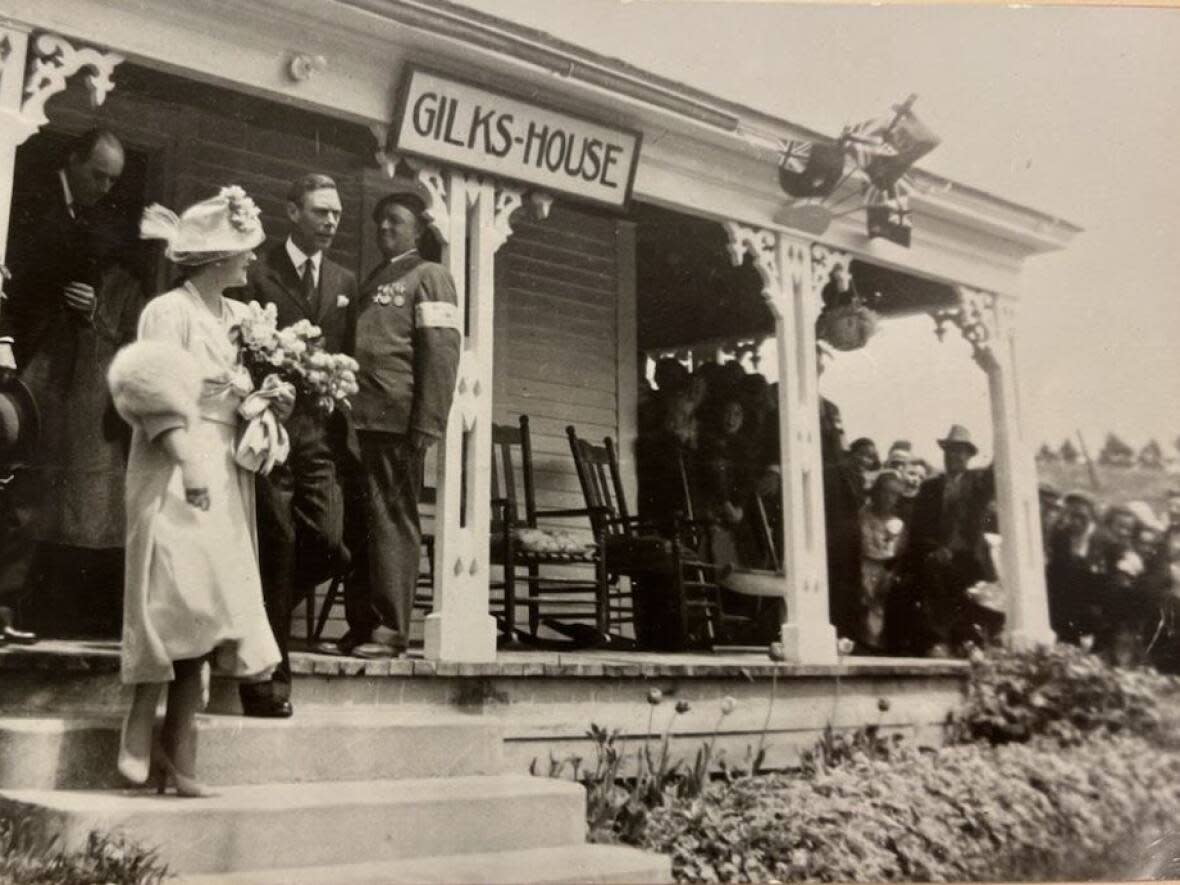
{"x": 1063, "y": 693}
{"x": 26, "y": 859}
{"x": 969, "y": 812}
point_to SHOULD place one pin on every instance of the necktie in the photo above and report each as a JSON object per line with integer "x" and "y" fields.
{"x": 308, "y": 287}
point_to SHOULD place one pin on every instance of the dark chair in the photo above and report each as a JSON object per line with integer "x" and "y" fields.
{"x": 674, "y": 591}
{"x": 528, "y": 553}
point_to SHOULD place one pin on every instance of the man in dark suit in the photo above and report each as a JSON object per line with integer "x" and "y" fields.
{"x": 947, "y": 550}
{"x": 300, "y": 503}
{"x": 69, "y": 306}
{"x": 408, "y": 336}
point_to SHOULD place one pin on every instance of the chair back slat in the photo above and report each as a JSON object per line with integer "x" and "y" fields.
{"x": 505, "y": 438}
{"x": 602, "y": 487}
{"x": 512, "y": 471}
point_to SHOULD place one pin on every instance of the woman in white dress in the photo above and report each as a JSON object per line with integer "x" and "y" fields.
{"x": 192, "y": 588}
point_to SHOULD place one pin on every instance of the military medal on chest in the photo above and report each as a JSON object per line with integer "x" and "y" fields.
{"x": 391, "y": 293}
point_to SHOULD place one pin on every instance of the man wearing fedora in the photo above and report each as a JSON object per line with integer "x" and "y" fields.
{"x": 948, "y": 553}
{"x": 300, "y": 503}
{"x": 74, "y": 299}
{"x": 408, "y": 336}
{"x": 19, "y": 431}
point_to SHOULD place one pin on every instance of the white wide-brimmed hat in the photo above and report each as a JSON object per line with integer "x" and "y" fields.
{"x": 210, "y": 230}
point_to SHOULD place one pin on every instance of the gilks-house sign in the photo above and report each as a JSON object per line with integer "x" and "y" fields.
{"x": 451, "y": 121}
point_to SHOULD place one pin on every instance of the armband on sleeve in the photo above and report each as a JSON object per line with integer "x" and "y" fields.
{"x": 437, "y": 315}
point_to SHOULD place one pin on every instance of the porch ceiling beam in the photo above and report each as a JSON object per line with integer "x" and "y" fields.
{"x": 366, "y": 43}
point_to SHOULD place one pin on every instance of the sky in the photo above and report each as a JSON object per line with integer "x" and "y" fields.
{"x": 1072, "y": 111}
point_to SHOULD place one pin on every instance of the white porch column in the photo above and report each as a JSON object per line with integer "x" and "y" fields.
{"x": 788, "y": 285}
{"x": 987, "y": 321}
{"x": 23, "y": 96}
{"x": 471, "y": 216}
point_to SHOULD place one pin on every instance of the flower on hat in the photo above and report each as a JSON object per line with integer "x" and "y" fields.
{"x": 210, "y": 230}
{"x": 243, "y": 211}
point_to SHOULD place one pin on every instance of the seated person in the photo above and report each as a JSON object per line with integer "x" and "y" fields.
{"x": 725, "y": 468}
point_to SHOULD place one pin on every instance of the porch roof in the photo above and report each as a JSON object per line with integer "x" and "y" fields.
{"x": 582, "y": 65}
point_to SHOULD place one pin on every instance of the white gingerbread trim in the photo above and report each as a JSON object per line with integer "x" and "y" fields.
{"x": 761, "y": 245}
{"x": 55, "y": 61}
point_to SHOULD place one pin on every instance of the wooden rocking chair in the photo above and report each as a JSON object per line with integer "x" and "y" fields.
{"x": 528, "y": 553}
{"x": 674, "y": 591}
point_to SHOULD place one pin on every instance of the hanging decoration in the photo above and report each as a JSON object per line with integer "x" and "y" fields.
{"x": 847, "y": 319}
{"x": 878, "y": 154}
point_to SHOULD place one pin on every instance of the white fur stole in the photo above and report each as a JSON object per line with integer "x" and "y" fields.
{"x": 153, "y": 379}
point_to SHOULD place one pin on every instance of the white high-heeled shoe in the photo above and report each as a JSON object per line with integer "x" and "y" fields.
{"x": 134, "y": 767}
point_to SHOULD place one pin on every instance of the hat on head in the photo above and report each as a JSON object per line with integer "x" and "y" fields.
{"x": 959, "y": 435}
{"x": 20, "y": 422}
{"x": 1147, "y": 517}
{"x": 403, "y": 192}
{"x": 1045, "y": 490}
{"x": 208, "y": 231}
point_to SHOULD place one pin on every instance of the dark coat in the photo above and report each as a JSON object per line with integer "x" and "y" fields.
{"x": 63, "y": 358}
{"x": 408, "y": 353}
{"x": 49, "y": 248}
{"x": 273, "y": 279}
{"x": 930, "y": 527}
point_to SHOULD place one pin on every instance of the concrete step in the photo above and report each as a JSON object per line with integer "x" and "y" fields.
{"x": 324, "y": 824}
{"x": 314, "y": 745}
{"x": 535, "y": 866}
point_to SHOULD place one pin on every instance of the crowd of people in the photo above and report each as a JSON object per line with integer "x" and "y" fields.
{"x": 1113, "y": 576}
{"x": 131, "y": 456}
{"x": 912, "y": 549}
{"x": 906, "y": 546}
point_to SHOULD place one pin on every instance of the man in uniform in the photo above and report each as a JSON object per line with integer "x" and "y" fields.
{"x": 300, "y": 503}
{"x": 408, "y": 338}
{"x": 71, "y": 303}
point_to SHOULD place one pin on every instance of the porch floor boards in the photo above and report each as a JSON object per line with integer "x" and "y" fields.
{"x": 102, "y": 656}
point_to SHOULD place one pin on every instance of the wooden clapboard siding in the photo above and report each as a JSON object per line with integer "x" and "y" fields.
{"x": 202, "y": 137}
{"x": 556, "y": 333}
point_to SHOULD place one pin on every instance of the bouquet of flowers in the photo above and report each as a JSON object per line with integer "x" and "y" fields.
{"x": 296, "y": 355}
{"x": 283, "y": 364}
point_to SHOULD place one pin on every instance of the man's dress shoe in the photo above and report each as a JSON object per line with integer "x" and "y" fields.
{"x": 345, "y": 645}
{"x": 267, "y": 707}
{"x": 18, "y": 637}
{"x": 9, "y": 633}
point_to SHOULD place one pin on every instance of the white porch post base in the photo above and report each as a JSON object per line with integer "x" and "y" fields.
{"x": 1027, "y": 640}
{"x": 809, "y": 643}
{"x": 464, "y": 635}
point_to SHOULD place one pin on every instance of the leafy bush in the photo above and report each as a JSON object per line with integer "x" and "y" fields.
{"x": 25, "y": 859}
{"x": 1063, "y": 693}
{"x": 969, "y": 812}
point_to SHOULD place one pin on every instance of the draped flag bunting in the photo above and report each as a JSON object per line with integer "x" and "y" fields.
{"x": 879, "y": 153}
{"x": 810, "y": 169}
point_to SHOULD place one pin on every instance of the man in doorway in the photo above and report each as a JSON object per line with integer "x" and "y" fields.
{"x": 300, "y": 503}
{"x": 71, "y": 303}
{"x": 947, "y": 548}
{"x": 408, "y": 338}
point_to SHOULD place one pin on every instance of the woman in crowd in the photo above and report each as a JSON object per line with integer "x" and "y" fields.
{"x": 882, "y": 534}
{"x": 192, "y": 585}
{"x": 726, "y": 482}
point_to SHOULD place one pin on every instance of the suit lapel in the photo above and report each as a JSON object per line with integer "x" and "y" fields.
{"x": 285, "y": 278}
{"x": 329, "y": 288}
